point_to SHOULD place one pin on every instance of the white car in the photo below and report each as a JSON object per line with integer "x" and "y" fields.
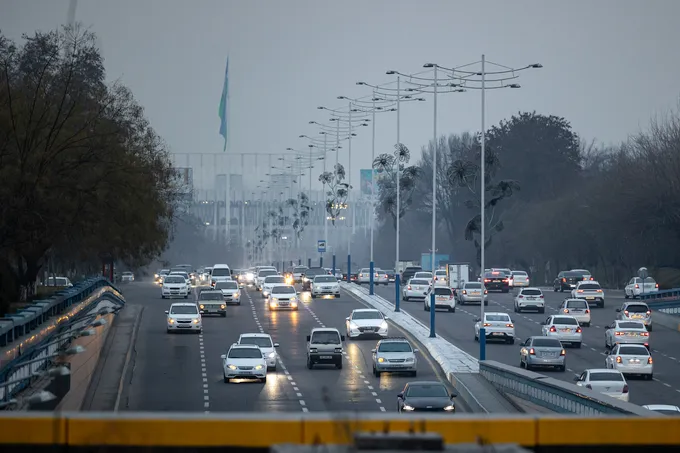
{"x": 244, "y": 361}
{"x": 58, "y": 281}
{"x": 635, "y": 287}
{"x": 518, "y": 279}
{"x": 262, "y": 274}
{"x": 270, "y": 282}
{"x": 283, "y": 297}
{"x": 325, "y": 285}
{"x": 416, "y": 289}
{"x": 422, "y": 275}
{"x": 498, "y": 326}
{"x": 635, "y": 311}
{"x": 578, "y": 308}
{"x": 364, "y": 276}
{"x": 127, "y": 277}
{"x": 219, "y": 273}
{"x": 440, "y": 278}
{"x": 366, "y": 321}
{"x": 625, "y": 332}
{"x": 381, "y": 277}
{"x": 564, "y": 328}
{"x": 609, "y": 382}
{"x": 443, "y": 298}
{"x": 231, "y": 293}
{"x": 471, "y": 292}
{"x": 266, "y": 345}
{"x": 530, "y": 299}
{"x": 631, "y": 359}
{"x": 665, "y": 409}
{"x": 589, "y": 290}
{"x": 174, "y": 286}
{"x": 184, "y": 275}
{"x": 184, "y": 316}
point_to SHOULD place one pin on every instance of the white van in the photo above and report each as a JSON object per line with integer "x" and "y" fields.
{"x": 220, "y": 273}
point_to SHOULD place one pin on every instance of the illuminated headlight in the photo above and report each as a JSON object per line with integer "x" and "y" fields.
{"x": 293, "y": 299}
{"x": 249, "y": 276}
{"x": 237, "y": 294}
{"x": 353, "y": 326}
{"x": 408, "y": 408}
{"x": 305, "y": 279}
{"x": 223, "y": 306}
{"x": 272, "y": 355}
{"x": 155, "y": 275}
{"x": 450, "y": 408}
{"x": 381, "y": 360}
{"x": 232, "y": 367}
{"x": 258, "y": 367}
{"x": 201, "y": 306}
{"x": 171, "y": 321}
{"x": 275, "y": 299}
{"x": 383, "y": 326}
{"x": 408, "y": 360}
{"x": 196, "y": 321}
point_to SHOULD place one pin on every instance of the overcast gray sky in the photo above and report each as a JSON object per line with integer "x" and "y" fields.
{"x": 609, "y": 65}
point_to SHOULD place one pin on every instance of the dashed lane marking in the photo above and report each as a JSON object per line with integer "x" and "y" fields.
{"x": 204, "y": 375}
{"x": 280, "y": 363}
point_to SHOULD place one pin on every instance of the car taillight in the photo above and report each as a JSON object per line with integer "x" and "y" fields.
{"x": 564, "y": 280}
{"x": 486, "y": 324}
{"x": 649, "y": 360}
{"x": 637, "y": 286}
{"x": 645, "y": 334}
{"x": 566, "y": 310}
{"x": 408, "y": 287}
{"x": 625, "y": 312}
{"x": 486, "y": 280}
{"x": 552, "y": 329}
{"x": 618, "y": 334}
{"x": 619, "y": 359}
{"x": 486, "y": 291}
{"x": 532, "y": 351}
{"x": 578, "y": 330}
{"x": 563, "y": 352}
{"x": 505, "y": 280}
{"x": 579, "y": 290}
{"x": 588, "y": 386}
{"x": 509, "y": 325}
{"x": 451, "y": 296}
{"x": 592, "y": 278}
{"x": 587, "y": 310}
{"x": 521, "y": 296}
{"x": 657, "y": 285}
{"x": 649, "y": 312}
{"x": 542, "y": 297}
{"x": 625, "y": 388}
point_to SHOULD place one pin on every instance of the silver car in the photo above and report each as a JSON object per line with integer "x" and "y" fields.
{"x": 394, "y": 355}
{"x": 578, "y": 308}
{"x": 471, "y": 293}
{"x": 635, "y": 311}
{"x": 564, "y": 328}
{"x": 542, "y": 352}
{"x": 416, "y": 289}
{"x": 631, "y": 359}
{"x": 625, "y": 332}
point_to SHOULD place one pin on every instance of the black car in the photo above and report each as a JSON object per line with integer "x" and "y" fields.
{"x": 497, "y": 281}
{"x": 409, "y": 272}
{"x": 309, "y": 275}
{"x": 391, "y": 274}
{"x": 567, "y": 280}
{"x": 426, "y": 396}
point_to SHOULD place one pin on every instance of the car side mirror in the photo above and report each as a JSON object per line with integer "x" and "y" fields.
{"x": 276, "y": 345}
{"x": 606, "y": 352}
{"x": 386, "y": 318}
{"x": 342, "y": 338}
{"x": 373, "y": 351}
{"x": 223, "y": 356}
{"x": 577, "y": 378}
{"x": 606, "y": 327}
{"x": 400, "y": 395}
{"x": 347, "y": 318}
{"x": 454, "y": 393}
{"x": 201, "y": 312}
{"x": 309, "y": 338}
{"x": 416, "y": 350}
{"x": 167, "y": 312}
{"x": 618, "y": 310}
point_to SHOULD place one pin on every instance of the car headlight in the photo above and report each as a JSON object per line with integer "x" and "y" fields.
{"x": 232, "y": 367}
{"x": 223, "y": 306}
{"x": 383, "y": 326}
{"x": 293, "y": 299}
{"x": 272, "y": 355}
{"x": 408, "y": 408}
{"x": 171, "y": 321}
{"x": 237, "y": 294}
{"x": 196, "y": 321}
{"x": 450, "y": 408}
{"x": 353, "y": 326}
{"x": 381, "y": 360}
{"x": 258, "y": 367}
{"x": 408, "y": 360}
{"x": 201, "y": 306}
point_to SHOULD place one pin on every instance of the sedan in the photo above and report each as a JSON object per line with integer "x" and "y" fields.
{"x": 631, "y": 359}
{"x": 578, "y": 308}
{"x": 564, "y": 328}
{"x": 665, "y": 409}
{"x": 471, "y": 292}
{"x": 542, "y": 352}
{"x": 366, "y": 321}
{"x": 426, "y": 396}
{"x": 416, "y": 289}
{"x": 625, "y": 332}
{"x": 635, "y": 311}
{"x": 608, "y": 382}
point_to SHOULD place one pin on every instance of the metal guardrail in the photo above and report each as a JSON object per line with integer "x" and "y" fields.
{"x": 666, "y": 301}
{"x": 555, "y": 395}
{"x": 64, "y": 310}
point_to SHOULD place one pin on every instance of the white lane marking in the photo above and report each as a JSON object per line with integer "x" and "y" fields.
{"x": 280, "y": 363}
{"x": 204, "y": 375}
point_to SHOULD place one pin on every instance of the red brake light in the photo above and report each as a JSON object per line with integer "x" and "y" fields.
{"x": 580, "y": 290}
{"x": 564, "y": 279}
{"x": 464, "y": 291}
{"x": 566, "y": 310}
{"x": 532, "y": 351}
{"x": 637, "y": 286}
{"x": 521, "y": 296}
{"x": 619, "y": 359}
{"x": 587, "y": 310}
{"x": 657, "y": 285}
{"x": 552, "y": 329}
{"x": 486, "y": 280}
{"x": 625, "y": 312}
{"x": 625, "y": 388}
{"x": 505, "y": 280}
{"x": 542, "y": 297}
{"x": 486, "y": 291}
{"x": 509, "y": 325}
{"x": 578, "y": 330}
{"x": 649, "y": 312}
{"x": 563, "y": 352}
{"x": 649, "y": 360}
{"x": 645, "y": 334}
{"x": 592, "y": 278}
{"x": 409, "y": 287}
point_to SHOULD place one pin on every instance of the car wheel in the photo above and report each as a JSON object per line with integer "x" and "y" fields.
{"x": 541, "y": 310}
{"x": 375, "y": 372}
{"x": 561, "y": 290}
{"x": 521, "y": 363}
{"x": 586, "y": 324}
{"x": 625, "y": 295}
{"x": 452, "y": 309}
{"x": 224, "y": 315}
{"x": 649, "y": 377}
{"x": 405, "y": 298}
{"x": 515, "y": 308}
{"x": 337, "y": 296}
{"x": 310, "y": 365}
{"x": 226, "y": 379}
{"x": 414, "y": 373}
{"x": 425, "y": 307}
{"x": 264, "y": 380}
{"x": 510, "y": 341}
{"x": 562, "y": 368}
{"x": 476, "y": 337}
{"x": 554, "y": 289}
{"x": 162, "y": 297}
{"x": 338, "y": 365}
{"x": 186, "y": 297}
{"x": 577, "y": 345}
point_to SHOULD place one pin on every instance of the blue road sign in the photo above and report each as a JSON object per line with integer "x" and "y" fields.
{"x": 321, "y": 246}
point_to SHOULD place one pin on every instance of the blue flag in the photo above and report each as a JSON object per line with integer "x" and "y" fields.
{"x": 223, "y": 106}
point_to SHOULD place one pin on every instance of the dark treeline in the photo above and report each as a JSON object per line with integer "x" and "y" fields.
{"x": 82, "y": 173}
{"x": 553, "y": 201}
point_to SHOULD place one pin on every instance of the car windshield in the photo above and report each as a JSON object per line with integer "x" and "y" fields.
{"x": 314, "y": 271}
{"x": 226, "y": 285}
{"x": 577, "y": 304}
{"x": 519, "y": 273}
{"x": 267, "y": 273}
{"x": 427, "y": 391}
{"x": 283, "y": 290}
{"x": 494, "y": 275}
{"x": 184, "y": 275}
{"x": 650, "y": 280}
{"x": 174, "y": 279}
{"x": 299, "y": 269}
{"x": 424, "y": 274}
{"x": 221, "y": 272}
{"x": 325, "y": 279}
{"x": 497, "y": 318}
{"x": 546, "y": 343}
{"x": 666, "y": 412}
{"x": 531, "y": 292}
{"x": 58, "y": 281}
{"x": 390, "y": 271}
{"x": 127, "y": 273}
{"x": 630, "y": 325}
{"x": 367, "y": 315}
{"x": 603, "y": 377}
{"x": 245, "y": 353}
{"x": 637, "y": 308}
{"x": 473, "y": 285}
{"x": 633, "y": 350}
{"x": 589, "y": 286}
{"x": 573, "y": 274}
{"x": 184, "y": 310}
{"x": 262, "y": 342}
{"x": 325, "y": 338}
{"x": 395, "y": 346}
{"x": 442, "y": 292}
{"x": 420, "y": 282}
{"x": 564, "y": 321}
{"x": 275, "y": 279}
{"x": 440, "y": 273}
{"x": 165, "y": 272}
{"x": 210, "y": 295}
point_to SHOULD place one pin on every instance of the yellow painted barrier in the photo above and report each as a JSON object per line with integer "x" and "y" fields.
{"x": 260, "y": 430}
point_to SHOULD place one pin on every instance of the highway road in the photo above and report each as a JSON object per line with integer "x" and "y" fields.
{"x": 458, "y": 328}
{"x": 183, "y": 372}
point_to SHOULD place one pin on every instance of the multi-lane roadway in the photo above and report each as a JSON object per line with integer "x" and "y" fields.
{"x": 183, "y": 372}
{"x": 458, "y": 328}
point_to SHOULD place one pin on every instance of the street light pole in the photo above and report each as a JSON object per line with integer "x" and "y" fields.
{"x": 325, "y": 217}
{"x": 397, "y": 277}
{"x": 372, "y": 263}
{"x": 433, "y": 308}
{"x": 349, "y": 198}
{"x": 482, "y": 165}
{"x": 337, "y": 153}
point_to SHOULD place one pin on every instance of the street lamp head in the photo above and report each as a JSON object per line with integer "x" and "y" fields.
{"x": 354, "y": 135}
{"x": 514, "y": 85}
{"x": 301, "y": 136}
{"x": 320, "y": 107}
{"x": 420, "y": 99}
{"x": 312, "y": 122}
{"x": 342, "y": 97}
{"x": 289, "y": 149}
{"x": 391, "y": 72}
{"x": 361, "y": 83}
{"x": 429, "y": 65}
{"x": 536, "y": 66}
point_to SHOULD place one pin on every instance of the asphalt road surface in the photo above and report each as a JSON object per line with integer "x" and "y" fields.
{"x": 183, "y": 372}
{"x": 458, "y": 328}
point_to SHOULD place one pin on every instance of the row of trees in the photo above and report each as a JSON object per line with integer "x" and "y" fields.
{"x": 553, "y": 201}
{"x": 83, "y": 175}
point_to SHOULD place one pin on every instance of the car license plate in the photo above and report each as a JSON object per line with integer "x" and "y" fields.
{"x": 442, "y": 299}
{"x": 475, "y": 293}
{"x": 566, "y": 330}
{"x": 246, "y": 372}
{"x": 590, "y": 298}
{"x": 283, "y": 304}
{"x": 637, "y": 316}
{"x": 326, "y": 357}
{"x": 368, "y": 329}
{"x": 497, "y": 333}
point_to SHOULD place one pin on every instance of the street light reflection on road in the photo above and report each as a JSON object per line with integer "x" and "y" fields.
{"x": 292, "y": 316}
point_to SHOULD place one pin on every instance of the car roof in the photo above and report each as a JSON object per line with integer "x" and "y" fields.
{"x": 279, "y": 285}
{"x": 244, "y": 346}
{"x": 535, "y": 337}
{"x": 426, "y": 383}
{"x": 662, "y": 407}
{"x": 532, "y": 288}
{"x": 394, "y": 340}
{"x": 588, "y": 281}
{"x": 183, "y": 304}
{"x": 603, "y": 370}
{"x": 364, "y": 309}
{"x": 563, "y": 316}
{"x": 325, "y": 329}
{"x": 635, "y": 345}
{"x": 628, "y": 304}
{"x": 257, "y": 335}
{"x": 495, "y": 313}
{"x": 619, "y": 321}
